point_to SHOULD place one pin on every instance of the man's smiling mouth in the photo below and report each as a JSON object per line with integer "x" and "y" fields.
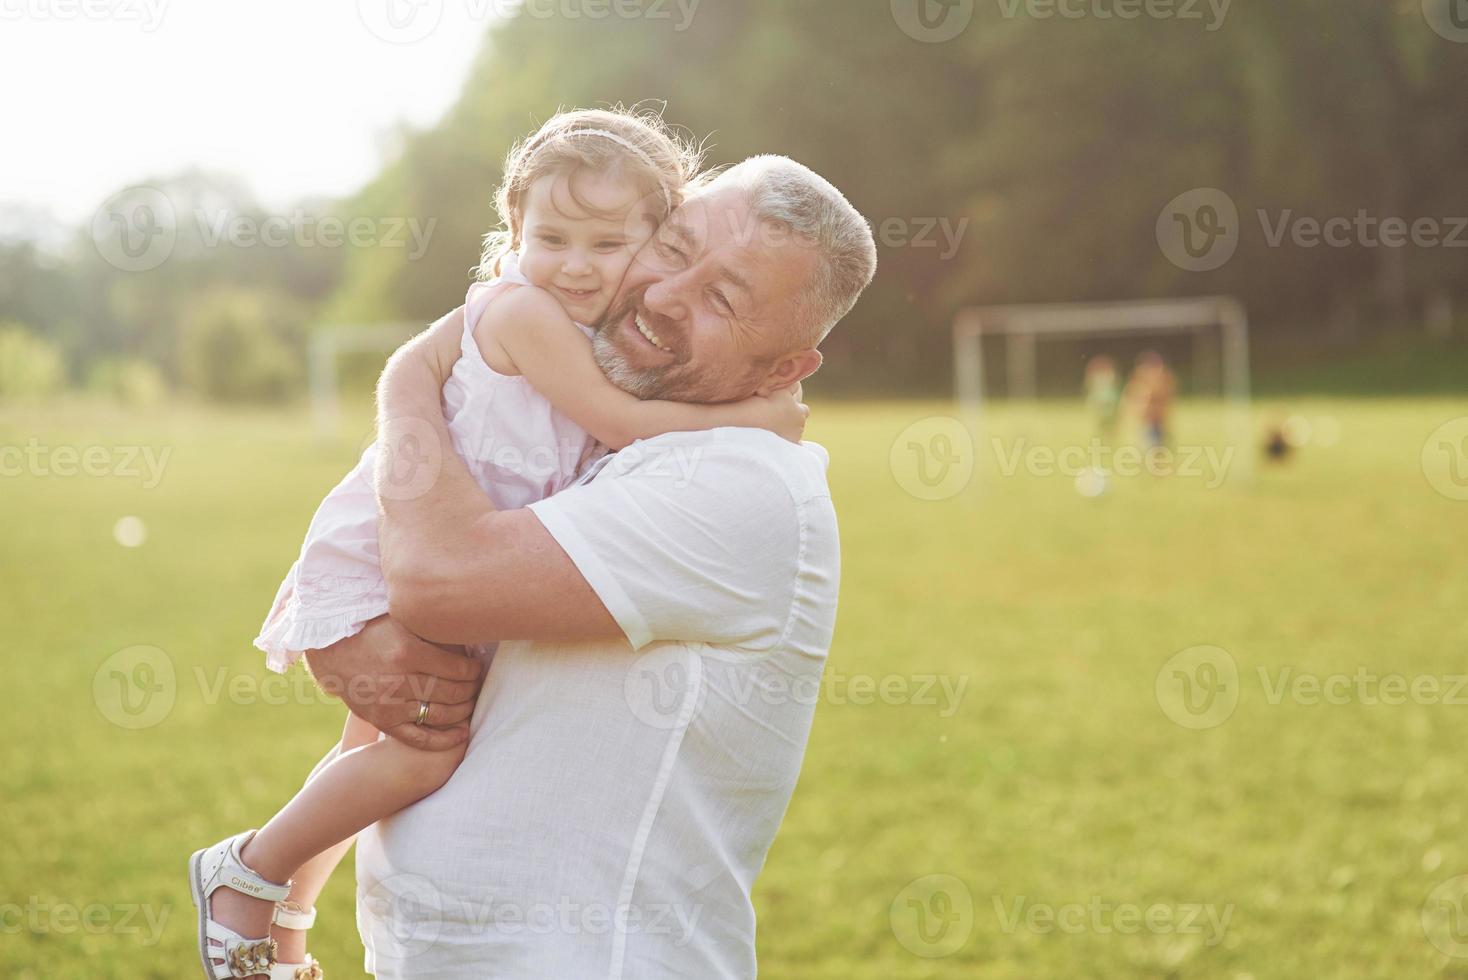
{"x": 647, "y": 332}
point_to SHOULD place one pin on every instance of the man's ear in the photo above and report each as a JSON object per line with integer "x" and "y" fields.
{"x": 790, "y": 369}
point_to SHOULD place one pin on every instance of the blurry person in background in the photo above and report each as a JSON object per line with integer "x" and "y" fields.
{"x": 1149, "y": 394}
{"x": 1103, "y": 395}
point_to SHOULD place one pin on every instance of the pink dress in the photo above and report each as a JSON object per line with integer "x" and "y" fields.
{"x": 517, "y": 446}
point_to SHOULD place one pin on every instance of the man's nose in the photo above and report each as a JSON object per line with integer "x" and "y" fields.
{"x": 665, "y": 298}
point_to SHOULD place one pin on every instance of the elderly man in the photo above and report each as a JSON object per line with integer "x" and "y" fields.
{"x": 663, "y": 627}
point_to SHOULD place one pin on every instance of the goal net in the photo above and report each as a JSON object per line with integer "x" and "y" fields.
{"x": 1217, "y": 325}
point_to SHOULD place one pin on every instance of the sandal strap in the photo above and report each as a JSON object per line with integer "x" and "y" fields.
{"x": 309, "y": 970}
{"x": 225, "y": 868}
{"x": 289, "y": 915}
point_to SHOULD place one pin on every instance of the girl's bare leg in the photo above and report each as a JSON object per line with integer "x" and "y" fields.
{"x": 307, "y": 883}
{"x": 345, "y": 794}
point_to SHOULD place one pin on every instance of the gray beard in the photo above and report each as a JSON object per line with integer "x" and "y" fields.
{"x": 644, "y": 384}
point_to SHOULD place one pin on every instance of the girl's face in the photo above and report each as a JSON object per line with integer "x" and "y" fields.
{"x": 578, "y": 255}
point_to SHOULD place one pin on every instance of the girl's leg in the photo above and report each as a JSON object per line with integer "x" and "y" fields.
{"x": 311, "y": 878}
{"x": 357, "y": 788}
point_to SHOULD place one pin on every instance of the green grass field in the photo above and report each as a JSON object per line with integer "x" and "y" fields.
{"x": 1046, "y": 817}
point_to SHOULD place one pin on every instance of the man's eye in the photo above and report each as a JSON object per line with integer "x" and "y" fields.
{"x": 722, "y": 303}
{"x": 669, "y": 249}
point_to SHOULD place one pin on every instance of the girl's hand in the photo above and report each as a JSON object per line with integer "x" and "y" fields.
{"x": 781, "y": 412}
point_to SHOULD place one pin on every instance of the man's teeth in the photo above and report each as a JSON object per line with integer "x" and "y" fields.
{"x": 646, "y": 331}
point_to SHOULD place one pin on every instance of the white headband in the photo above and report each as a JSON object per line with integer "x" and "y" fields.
{"x": 627, "y": 144}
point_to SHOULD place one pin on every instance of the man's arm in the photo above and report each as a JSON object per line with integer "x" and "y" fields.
{"x": 458, "y": 570}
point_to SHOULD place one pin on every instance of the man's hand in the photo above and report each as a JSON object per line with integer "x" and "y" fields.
{"x": 384, "y": 672}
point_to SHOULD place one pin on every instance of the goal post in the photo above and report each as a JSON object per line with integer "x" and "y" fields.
{"x": 327, "y": 345}
{"x": 1024, "y": 326}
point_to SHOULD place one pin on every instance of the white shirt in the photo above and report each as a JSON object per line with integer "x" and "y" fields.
{"x": 617, "y": 799}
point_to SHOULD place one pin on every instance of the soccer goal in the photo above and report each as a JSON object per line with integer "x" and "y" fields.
{"x": 1024, "y": 327}
{"x": 327, "y": 346}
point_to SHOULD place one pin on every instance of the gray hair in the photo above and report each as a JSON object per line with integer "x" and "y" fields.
{"x": 795, "y": 198}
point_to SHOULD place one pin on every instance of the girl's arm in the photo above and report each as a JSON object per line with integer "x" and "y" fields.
{"x": 526, "y": 330}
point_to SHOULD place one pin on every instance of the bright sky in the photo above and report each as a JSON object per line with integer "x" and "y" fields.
{"x": 296, "y": 96}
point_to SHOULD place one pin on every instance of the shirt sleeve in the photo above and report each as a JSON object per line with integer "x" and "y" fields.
{"x": 696, "y": 544}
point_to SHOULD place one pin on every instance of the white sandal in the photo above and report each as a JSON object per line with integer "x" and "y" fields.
{"x": 219, "y": 867}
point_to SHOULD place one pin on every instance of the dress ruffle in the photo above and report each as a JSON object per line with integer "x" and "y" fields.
{"x": 314, "y": 614}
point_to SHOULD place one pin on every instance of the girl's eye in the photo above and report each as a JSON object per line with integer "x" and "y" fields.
{"x": 609, "y": 246}
{"x": 550, "y": 239}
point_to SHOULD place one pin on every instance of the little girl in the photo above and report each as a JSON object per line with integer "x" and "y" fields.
{"x": 527, "y": 408}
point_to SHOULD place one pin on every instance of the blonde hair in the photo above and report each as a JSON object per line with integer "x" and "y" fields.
{"x": 632, "y": 144}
